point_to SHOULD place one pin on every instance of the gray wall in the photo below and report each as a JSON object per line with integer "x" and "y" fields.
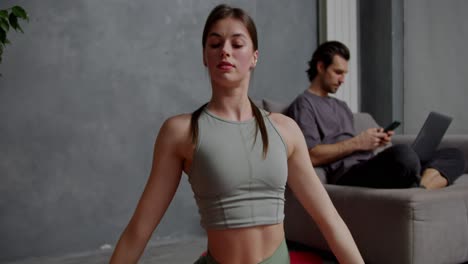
{"x": 83, "y": 94}
{"x": 413, "y": 58}
{"x": 436, "y": 75}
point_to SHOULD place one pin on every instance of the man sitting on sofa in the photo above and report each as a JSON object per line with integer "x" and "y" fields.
{"x": 348, "y": 159}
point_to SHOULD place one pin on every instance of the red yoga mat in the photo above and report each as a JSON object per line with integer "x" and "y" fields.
{"x": 304, "y": 257}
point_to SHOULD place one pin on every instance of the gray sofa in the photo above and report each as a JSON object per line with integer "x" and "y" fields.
{"x": 392, "y": 225}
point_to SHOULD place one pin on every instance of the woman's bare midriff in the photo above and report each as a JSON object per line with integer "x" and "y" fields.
{"x": 249, "y": 245}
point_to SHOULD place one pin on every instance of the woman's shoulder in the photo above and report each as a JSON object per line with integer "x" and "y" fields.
{"x": 176, "y": 127}
{"x": 287, "y": 127}
{"x": 178, "y": 122}
{"x": 283, "y": 121}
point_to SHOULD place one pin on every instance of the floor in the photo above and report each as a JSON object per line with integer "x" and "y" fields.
{"x": 170, "y": 252}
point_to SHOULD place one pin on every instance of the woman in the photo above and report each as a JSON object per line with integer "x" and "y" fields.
{"x": 238, "y": 159}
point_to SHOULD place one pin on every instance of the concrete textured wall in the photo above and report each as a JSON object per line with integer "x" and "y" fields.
{"x": 83, "y": 94}
{"x": 435, "y": 57}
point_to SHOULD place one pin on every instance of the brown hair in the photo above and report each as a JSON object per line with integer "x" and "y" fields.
{"x": 325, "y": 53}
{"x": 218, "y": 13}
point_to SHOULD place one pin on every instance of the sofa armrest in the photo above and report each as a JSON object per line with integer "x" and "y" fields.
{"x": 412, "y": 218}
{"x": 449, "y": 141}
{"x": 392, "y": 225}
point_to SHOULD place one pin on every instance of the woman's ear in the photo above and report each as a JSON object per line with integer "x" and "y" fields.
{"x": 255, "y": 59}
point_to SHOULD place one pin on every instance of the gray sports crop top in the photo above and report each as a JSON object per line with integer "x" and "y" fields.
{"x": 233, "y": 185}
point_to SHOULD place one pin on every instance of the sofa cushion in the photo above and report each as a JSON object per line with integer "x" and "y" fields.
{"x": 322, "y": 175}
{"x": 363, "y": 121}
{"x": 258, "y": 103}
{"x": 275, "y": 107}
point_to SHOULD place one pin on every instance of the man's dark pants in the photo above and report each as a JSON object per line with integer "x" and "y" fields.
{"x": 400, "y": 167}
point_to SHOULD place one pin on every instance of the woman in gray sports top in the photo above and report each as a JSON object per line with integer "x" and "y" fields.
{"x": 238, "y": 159}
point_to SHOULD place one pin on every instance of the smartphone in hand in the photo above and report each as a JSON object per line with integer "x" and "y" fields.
{"x": 392, "y": 126}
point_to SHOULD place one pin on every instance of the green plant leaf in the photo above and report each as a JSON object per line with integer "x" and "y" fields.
{"x": 4, "y": 14}
{"x": 4, "y": 24}
{"x": 14, "y": 22}
{"x": 2, "y": 36}
{"x": 19, "y": 12}
{"x": 1, "y": 53}
{"x": 3, "y": 44}
{"x": 10, "y": 19}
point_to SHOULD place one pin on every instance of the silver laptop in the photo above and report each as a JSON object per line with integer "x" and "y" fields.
{"x": 430, "y": 135}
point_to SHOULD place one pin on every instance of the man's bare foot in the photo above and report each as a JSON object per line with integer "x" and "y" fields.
{"x": 432, "y": 179}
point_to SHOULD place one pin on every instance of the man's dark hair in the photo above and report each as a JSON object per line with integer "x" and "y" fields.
{"x": 325, "y": 53}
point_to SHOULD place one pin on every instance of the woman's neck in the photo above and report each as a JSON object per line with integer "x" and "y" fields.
{"x": 231, "y": 103}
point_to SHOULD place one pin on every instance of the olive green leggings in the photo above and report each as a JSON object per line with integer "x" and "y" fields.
{"x": 280, "y": 256}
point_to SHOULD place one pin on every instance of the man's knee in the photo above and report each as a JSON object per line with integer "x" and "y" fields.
{"x": 453, "y": 156}
{"x": 453, "y": 153}
{"x": 460, "y": 156}
{"x": 405, "y": 157}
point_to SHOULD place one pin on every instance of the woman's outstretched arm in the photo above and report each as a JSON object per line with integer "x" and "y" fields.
{"x": 308, "y": 189}
{"x": 159, "y": 191}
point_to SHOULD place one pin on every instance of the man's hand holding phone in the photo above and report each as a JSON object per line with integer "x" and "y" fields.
{"x": 392, "y": 126}
{"x": 388, "y": 130}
